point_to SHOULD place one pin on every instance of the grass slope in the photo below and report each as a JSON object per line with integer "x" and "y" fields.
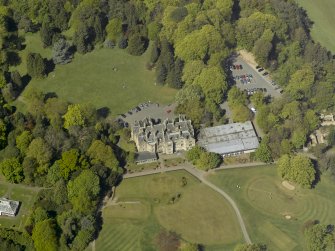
{"x": 321, "y": 12}
{"x": 25, "y": 195}
{"x": 105, "y": 78}
{"x": 143, "y": 209}
{"x": 264, "y": 203}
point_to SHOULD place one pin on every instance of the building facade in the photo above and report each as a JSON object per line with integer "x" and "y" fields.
{"x": 167, "y": 137}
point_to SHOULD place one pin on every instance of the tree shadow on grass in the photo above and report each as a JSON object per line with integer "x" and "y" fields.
{"x": 49, "y": 66}
{"x": 317, "y": 173}
{"x": 103, "y": 112}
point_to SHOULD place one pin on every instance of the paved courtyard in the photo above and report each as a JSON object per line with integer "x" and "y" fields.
{"x": 153, "y": 110}
{"x": 257, "y": 80}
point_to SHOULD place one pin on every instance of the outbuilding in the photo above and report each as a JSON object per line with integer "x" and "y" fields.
{"x": 9, "y": 207}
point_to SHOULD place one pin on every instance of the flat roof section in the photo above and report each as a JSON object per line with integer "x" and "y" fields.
{"x": 224, "y": 139}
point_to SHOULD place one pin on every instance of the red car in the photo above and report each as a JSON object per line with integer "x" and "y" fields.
{"x": 168, "y": 111}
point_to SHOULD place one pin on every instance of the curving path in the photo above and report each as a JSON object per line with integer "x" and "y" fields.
{"x": 199, "y": 175}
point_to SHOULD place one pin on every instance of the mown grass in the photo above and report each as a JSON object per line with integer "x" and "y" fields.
{"x": 26, "y": 196}
{"x": 144, "y": 207}
{"x": 264, "y": 203}
{"x": 105, "y": 78}
{"x": 322, "y": 14}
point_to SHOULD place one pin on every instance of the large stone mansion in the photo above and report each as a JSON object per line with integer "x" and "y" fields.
{"x": 167, "y": 137}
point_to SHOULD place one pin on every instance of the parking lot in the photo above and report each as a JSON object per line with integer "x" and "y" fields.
{"x": 146, "y": 110}
{"x": 247, "y": 77}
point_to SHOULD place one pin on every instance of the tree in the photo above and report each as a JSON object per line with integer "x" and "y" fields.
{"x": 82, "y": 239}
{"x": 12, "y": 170}
{"x": 41, "y": 151}
{"x": 61, "y": 52}
{"x": 71, "y": 161}
{"x": 194, "y": 154}
{"x": 74, "y": 116}
{"x": 44, "y": 236}
{"x": 237, "y": 96}
{"x": 318, "y": 237}
{"x": 331, "y": 136}
{"x": 208, "y": 161}
{"x": 23, "y": 141}
{"x": 241, "y": 113}
{"x": 36, "y": 67}
{"x": 301, "y": 82}
{"x": 83, "y": 191}
{"x": 114, "y": 29}
{"x": 101, "y": 153}
{"x": 199, "y": 43}
{"x": 298, "y": 138}
{"x": 185, "y": 246}
{"x": 46, "y": 32}
{"x": 202, "y": 159}
{"x": 250, "y": 247}
{"x": 82, "y": 39}
{"x": 136, "y": 45}
{"x": 3, "y": 134}
{"x": 153, "y": 30}
{"x": 263, "y": 152}
{"x": 298, "y": 169}
{"x": 191, "y": 70}
{"x": 213, "y": 83}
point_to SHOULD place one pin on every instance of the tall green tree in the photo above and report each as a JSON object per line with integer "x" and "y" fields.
{"x": 44, "y": 236}
{"x": 83, "y": 191}
{"x": 12, "y": 170}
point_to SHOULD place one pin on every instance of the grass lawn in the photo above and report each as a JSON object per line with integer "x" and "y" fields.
{"x": 105, "y": 78}
{"x": 143, "y": 207}
{"x": 321, "y": 12}
{"x": 265, "y": 203}
{"x": 26, "y": 196}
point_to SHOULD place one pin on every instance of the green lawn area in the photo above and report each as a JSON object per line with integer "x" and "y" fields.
{"x": 265, "y": 203}
{"x": 26, "y": 196}
{"x": 144, "y": 207}
{"x": 321, "y": 12}
{"x": 105, "y": 78}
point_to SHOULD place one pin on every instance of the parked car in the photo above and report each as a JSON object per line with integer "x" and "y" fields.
{"x": 253, "y": 109}
{"x": 265, "y": 73}
{"x": 260, "y": 69}
{"x": 257, "y": 67}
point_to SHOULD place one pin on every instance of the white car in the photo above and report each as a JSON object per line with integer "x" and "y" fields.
{"x": 253, "y": 109}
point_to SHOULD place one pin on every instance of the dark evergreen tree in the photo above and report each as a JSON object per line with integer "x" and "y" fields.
{"x": 36, "y": 67}
{"x": 46, "y": 33}
{"x": 136, "y": 45}
{"x": 81, "y": 39}
{"x": 161, "y": 73}
{"x": 154, "y": 53}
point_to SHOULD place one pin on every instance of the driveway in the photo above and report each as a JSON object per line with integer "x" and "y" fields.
{"x": 258, "y": 80}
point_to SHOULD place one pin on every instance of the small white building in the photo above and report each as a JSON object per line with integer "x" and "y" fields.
{"x": 9, "y": 207}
